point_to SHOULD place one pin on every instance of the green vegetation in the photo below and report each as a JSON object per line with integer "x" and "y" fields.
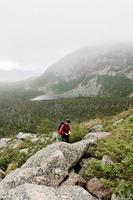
{"x": 78, "y": 132}
{"x": 13, "y": 158}
{"x": 120, "y": 86}
{"x": 120, "y": 148}
{"x": 44, "y": 116}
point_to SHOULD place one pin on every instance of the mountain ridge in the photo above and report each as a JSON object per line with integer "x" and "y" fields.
{"x": 81, "y": 73}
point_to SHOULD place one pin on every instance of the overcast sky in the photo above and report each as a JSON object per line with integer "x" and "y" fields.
{"x": 36, "y": 33}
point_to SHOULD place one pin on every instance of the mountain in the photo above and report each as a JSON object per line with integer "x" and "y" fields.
{"x": 91, "y": 71}
{"x": 14, "y": 75}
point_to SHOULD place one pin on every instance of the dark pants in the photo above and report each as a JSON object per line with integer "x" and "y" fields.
{"x": 65, "y": 138}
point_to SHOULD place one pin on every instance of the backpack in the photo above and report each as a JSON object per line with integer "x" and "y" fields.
{"x": 60, "y": 126}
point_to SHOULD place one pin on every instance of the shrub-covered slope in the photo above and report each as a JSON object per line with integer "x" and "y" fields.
{"x": 119, "y": 176}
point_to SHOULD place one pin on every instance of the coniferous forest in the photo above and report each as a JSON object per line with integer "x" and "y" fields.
{"x": 30, "y": 116}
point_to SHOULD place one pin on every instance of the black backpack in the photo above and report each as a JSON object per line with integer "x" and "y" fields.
{"x": 60, "y": 126}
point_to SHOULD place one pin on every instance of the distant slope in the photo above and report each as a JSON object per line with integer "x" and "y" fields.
{"x": 92, "y": 71}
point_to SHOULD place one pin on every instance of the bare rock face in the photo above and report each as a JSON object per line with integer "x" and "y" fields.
{"x": 98, "y": 189}
{"x": 48, "y": 166}
{"x": 39, "y": 192}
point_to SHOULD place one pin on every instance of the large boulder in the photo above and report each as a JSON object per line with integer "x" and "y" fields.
{"x": 19, "y": 177}
{"x": 39, "y": 192}
{"x": 49, "y": 166}
{"x": 57, "y": 159}
{"x": 93, "y": 137}
{"x": 97, "y": 188}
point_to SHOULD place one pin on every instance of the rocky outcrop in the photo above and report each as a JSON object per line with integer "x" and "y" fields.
{"x": 39, "y": 192}
{"x": 93, "y": 137}
{"x": 97, "y": 188}
{"x": 51, "y": 166}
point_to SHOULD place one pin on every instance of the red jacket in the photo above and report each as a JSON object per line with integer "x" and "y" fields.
{"x": 64, "y": 129}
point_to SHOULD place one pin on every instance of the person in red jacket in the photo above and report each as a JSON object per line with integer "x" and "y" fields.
{"x": 64, "y": 130}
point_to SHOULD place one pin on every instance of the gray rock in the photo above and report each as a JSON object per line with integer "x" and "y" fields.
{"x": 53, "y": 163}
{"x": 23, "y": 136}
{"x": 4, "y": 142}
{"x": 107, "y": 160}
{"x": 39, "y": 192}
{"x": 56, "y": 160}
{"x": 93, "y": 137}
{"x": 2, "y": 174}
{"x": 19, "y": 177}
{"x": 96, "y": 128}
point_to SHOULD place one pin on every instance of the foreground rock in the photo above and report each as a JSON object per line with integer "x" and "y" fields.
{"x": 57, "y": 159}
{"x": 97, "y": 188}
{"x": 49, "y": 166}
{"x": 38, "y": 192}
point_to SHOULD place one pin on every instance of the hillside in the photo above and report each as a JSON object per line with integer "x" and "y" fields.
{"x": 103, "y": 70}
{"x": 95, "y": 167}
{"x": 92, "y": 71}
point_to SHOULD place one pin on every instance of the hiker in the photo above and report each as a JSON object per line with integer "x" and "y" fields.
{"x": 64, "y": 130}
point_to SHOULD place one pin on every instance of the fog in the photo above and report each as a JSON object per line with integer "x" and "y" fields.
{"x": 36, "y": 33}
